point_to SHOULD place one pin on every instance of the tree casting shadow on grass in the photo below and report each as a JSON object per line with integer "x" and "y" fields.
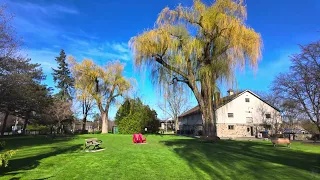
{"x": 18, "y": 166}
{"x": 231, "y": 159}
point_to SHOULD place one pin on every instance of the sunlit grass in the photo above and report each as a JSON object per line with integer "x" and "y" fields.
{"x": 163, "y": 157}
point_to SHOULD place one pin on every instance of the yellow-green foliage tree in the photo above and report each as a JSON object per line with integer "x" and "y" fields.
{"x": 199, "y": 46}
{"x": 103, "y": 84}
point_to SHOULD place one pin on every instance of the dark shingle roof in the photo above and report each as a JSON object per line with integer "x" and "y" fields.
{"x": 191, "y": 111}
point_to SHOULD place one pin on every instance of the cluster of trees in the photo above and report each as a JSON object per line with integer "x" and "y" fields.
{"x": 193, "y": 48}
{"x": 22, "y": 93}
{"x": 133, "y": 117}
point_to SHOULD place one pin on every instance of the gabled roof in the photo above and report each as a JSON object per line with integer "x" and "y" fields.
{"x": 223, "y": 101}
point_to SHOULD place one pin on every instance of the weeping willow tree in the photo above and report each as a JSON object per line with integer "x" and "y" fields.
{"x": 199, "y": 46}
{"x": 103, "y": 84}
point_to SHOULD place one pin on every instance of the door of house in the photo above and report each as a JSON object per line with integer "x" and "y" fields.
{"x": 251, "y": 130}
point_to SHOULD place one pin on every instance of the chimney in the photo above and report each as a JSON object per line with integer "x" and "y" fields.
{"x": 230, "y": 92}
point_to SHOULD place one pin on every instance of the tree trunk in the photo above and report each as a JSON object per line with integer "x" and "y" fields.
{"x": 207, "y": 108}
{"x": 318, "y": 125}
{"x": 4, "y": 123}
{"x": 104, "y": 116}
{"x": 208, "y": 119}
{"x": 58, "y": 127}
{"x": 84, "y": 123}
{"x": 176, "y": 124}
{"x": 25, "y": 123}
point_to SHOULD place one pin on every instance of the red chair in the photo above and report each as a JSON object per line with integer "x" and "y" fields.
{"x": 138, "y": 138}
{"x": 142, "y": 139}
{"x": 135, "y": 138}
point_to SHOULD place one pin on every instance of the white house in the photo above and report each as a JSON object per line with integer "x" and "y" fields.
{"x": 241, "y": 114}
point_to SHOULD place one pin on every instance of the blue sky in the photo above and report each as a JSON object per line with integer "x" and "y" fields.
{"x": 100, "y": 30}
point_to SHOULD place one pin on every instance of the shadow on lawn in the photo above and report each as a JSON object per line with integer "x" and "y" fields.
{"x": 18, "y": 166}
{"x": 20, "y": 141}
{"x": 237, "y": 160}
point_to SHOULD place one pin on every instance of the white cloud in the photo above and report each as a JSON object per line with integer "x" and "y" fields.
{"x": 101, "y": 51}
{"x": 76, "y": 41}
{"x": 121, "y": 47}
{"x": 53, "y": 10}
{"x": 65, "y": 9}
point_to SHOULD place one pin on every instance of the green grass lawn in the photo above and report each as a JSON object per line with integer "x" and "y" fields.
{"x": 163, "y": 157}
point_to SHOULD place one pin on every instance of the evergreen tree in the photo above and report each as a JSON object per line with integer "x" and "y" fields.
{"x": 21, "y": 91}
{"x": 62, "y": 76}
{"x": 133, "y": 117}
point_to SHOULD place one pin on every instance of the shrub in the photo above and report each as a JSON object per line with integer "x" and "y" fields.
{"x": 133, "y": 117}
{"x": 41, "y": 128}
{"x": 4, "y": 157}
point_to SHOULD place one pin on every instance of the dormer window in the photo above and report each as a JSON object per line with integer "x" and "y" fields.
{"x": 230, "y": 115}
{"x": 268, "y": 115}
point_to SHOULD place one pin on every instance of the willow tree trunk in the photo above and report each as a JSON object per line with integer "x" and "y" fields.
{"x": 4, "y": 123}
{"x": 104, "y": 116}
{"x": 208, "y": 118}
{"x": 207, "y": 106}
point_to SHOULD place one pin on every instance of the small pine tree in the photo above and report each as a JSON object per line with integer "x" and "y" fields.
{"x": 62, "y": 76}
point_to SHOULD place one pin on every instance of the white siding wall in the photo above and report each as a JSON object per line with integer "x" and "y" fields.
{"x": 244, "y": 110}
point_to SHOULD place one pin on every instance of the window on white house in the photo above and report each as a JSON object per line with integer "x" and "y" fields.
{"x": 248, "y": 129}
{"x": 268, "y": 115}
{"x": 230, "y": 115}
{"x": 247, "y": 100}
{"x": 230, "y": 127}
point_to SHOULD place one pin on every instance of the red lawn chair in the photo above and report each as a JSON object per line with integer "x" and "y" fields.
{"x": 135, "y": 138}
{"x": 142, "y": 139}
{"x": 138, "y": 138}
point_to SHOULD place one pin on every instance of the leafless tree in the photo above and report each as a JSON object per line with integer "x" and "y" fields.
{"x": 9, "y": 42}
{"x": 87, "y": 105}
{"x": 60, "y": 113}
{"x": 270, "y": 119}
{"x": 175, "y": 103}
{"x": 301, "y": 85}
